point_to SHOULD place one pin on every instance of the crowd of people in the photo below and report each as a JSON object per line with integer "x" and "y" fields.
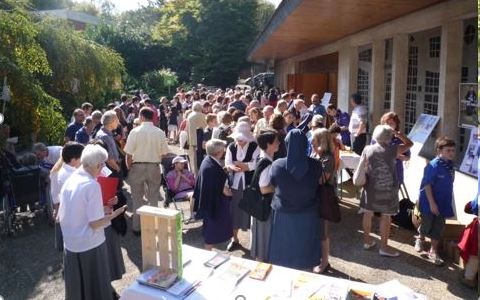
{"x": 234, "y": 139}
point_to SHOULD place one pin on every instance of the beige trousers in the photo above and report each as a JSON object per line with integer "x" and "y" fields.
{"x": 192, "y": 154}
{"x": 145, "y": 181}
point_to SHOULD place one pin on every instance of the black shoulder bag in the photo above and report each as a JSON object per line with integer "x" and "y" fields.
{"x": 253, "y": 202}
{"x": 329, "y": 203}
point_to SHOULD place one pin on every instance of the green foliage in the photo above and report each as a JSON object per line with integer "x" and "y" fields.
{"x": 82, "y": 69}
{"x": 130, "y": 34}
{"x": 31, "y": 112}
{"x": 159, "y": 82}
{"x": 210, "y": 38}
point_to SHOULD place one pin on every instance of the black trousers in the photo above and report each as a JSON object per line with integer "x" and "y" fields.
{"x": 359, "y": 143}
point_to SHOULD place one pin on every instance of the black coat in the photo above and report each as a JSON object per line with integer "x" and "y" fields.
{"x": 209, "y": 187}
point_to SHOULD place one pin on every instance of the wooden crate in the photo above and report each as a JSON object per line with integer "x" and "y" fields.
{"x": 161, "y": 239}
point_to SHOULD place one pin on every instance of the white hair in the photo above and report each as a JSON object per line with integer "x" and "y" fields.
{"x": 197, "y": 106}
{"x": 92, "y": 155}
{"x": 214, "y": 146}
{"x": 382, "y": 134}
{"x": 108, "y": 117}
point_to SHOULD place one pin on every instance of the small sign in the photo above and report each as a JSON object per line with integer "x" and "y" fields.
{"x": 2, "y": 118}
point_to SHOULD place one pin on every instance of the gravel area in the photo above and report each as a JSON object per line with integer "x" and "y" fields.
{"x": 32, "y": 269}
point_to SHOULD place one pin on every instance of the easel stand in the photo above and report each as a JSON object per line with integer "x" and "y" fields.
{"x": 161, "y": 239}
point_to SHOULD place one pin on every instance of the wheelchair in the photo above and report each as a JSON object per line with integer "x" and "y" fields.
{"x": 21, "y": 189}
{"x": 166, "y": 166}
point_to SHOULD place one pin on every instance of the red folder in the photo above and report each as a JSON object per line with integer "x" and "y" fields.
{"x": 109, "y": 188}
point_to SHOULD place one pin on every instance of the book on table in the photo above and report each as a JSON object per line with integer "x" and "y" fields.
{"x": 217, "y": 260}
{"x": 158, "y": 279}
{"x": 261, "y": 271}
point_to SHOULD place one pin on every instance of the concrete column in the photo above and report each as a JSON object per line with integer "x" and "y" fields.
{"x": 347, "y": 75}
{"x": 451, "y": 53}
{"x": 378, "y": 83}
{"x": 399, "y": 76}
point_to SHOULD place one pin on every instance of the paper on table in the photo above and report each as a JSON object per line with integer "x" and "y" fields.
{"x": 393, "y": 289}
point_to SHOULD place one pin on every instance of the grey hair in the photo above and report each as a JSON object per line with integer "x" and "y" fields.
{"x": 197, "y": 106}
{"x": 214, "y": 146}
{"x": 39, "y": 147}
{"x": 324, "y": 140}
{"x": 382, "y": 134}
{"x": 96, "y": 115}
{"x": 108, "y": 117}
{"x": 92, "y": 155}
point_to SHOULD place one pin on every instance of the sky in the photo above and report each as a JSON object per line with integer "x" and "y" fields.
{"x": 123, "y": 5}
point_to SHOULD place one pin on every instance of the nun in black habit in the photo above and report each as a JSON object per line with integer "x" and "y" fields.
{"x": 212, "y": 196}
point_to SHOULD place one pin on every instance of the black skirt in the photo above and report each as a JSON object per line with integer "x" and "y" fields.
{"x": 87, "y": 274}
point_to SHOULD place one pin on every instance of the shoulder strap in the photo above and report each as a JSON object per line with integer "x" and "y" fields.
{"x": 261, "y": 166}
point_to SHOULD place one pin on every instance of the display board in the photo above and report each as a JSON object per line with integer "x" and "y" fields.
{"x": 421, "y": 131}
{"x": 470, "y": 160}
{"x": 468, "y": 105}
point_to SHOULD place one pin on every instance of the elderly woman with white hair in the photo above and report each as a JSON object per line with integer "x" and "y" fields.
{"x": 380, "y": 192}
{"x": 240, "y": 160}
{"x": 83, "y": 220}
{"x": 212, "y": 196}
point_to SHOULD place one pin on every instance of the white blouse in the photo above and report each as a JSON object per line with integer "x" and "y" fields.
{"x": 266, "y": 174}
{"x": 241, "y": 152}
{"x": 58, "y": 179}
{"x": 80, "y": 204}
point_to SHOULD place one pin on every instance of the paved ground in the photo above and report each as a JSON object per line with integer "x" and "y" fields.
{"x": 31, "y": 269}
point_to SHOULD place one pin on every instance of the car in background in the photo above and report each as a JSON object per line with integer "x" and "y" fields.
{"x": 260, "y": 80}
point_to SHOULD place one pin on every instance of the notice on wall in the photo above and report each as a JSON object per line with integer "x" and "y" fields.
{"x": 326, "y": 99}
{"x": 470, "y": 160}
{"x": 468, "y": 105}
{"x": 421, "y": 131}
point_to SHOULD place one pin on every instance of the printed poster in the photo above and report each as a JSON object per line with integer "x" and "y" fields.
{"x": 421, "y": 131}
{"x": 468, "y": 105}
{"x": 470, "y": 160}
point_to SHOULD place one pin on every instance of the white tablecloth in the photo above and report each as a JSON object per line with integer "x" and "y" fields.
{"x": 349, "y": 160}
{"x": 278, "y": 278}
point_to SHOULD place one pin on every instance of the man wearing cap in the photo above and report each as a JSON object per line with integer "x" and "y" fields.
{"x": 145, "y": 147}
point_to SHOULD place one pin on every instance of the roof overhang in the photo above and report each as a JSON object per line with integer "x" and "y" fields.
{"x": 301, "y": 25}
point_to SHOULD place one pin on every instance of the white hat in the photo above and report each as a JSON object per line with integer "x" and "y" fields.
{"x": 242, "y": 132}
{"x": 179, "y": 159}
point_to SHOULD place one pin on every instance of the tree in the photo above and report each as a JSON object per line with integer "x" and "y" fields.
{"x": 210, "y": 38}
{"x": 32, "y": 112}
{"x": 82, "y": 69}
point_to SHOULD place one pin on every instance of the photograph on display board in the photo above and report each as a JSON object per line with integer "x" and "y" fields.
{"x": 421, "y": 131}
{"x": 468, "y": 105}
{"x": 470, "y": 160}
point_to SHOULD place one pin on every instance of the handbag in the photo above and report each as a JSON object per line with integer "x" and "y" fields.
{"x": 329, "y": 208}
{"x": 253, "y": 202}
{"x": 360, "y": 175}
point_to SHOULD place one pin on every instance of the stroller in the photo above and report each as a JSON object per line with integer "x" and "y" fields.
{"x": 166, "y": 166}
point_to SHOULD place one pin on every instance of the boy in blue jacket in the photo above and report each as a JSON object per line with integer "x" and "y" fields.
{"x": 436, "y": 195}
